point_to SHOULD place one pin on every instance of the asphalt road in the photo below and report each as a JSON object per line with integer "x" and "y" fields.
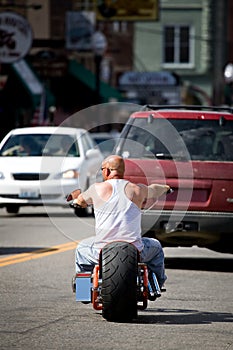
{"x": 38, "y": 308}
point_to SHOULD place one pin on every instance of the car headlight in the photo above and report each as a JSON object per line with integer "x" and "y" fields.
{"x": 2, "y": 175}
{"x": 70, "y": 174}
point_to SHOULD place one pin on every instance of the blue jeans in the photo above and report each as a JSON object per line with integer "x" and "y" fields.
{"x": 87, "y": 256}
{"x": 153, "y": 255}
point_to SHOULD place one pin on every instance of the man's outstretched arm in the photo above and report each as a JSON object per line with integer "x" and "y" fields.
{"x": 156, "y": 190}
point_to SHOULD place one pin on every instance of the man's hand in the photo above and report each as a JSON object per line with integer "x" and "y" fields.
{"x": 170, "y": 190}
{"x": 73, "y": 195}
{"x": 79, "y": 202}
{"x": 157, "y": 190}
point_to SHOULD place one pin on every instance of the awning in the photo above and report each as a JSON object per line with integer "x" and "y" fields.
{"x": 107, "y": 92}
{"x": 31, "y": 83}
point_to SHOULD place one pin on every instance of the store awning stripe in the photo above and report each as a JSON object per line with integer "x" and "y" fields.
{"x": 88, "y": 78}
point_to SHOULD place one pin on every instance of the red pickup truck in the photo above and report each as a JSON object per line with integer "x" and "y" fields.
{"x": 189, "y": 148}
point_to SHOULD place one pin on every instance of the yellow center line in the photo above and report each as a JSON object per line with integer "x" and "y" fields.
{"x": 18, "y": 258}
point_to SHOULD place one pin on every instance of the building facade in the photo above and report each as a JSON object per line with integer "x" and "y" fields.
{"x": 185, "y": 48}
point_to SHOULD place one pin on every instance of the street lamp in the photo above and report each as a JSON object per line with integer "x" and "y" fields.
{"x": 99, "y": 45}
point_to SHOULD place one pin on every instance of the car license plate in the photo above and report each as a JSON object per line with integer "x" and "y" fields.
{"x": 28, "y": 193}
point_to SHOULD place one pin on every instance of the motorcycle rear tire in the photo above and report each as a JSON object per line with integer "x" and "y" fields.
{"x": 119, "y": 281}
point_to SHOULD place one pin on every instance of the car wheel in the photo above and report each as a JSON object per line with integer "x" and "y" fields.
{"x": 12, "y": 209}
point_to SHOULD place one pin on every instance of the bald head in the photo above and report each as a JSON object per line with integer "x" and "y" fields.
{"x": 113, "y": 167}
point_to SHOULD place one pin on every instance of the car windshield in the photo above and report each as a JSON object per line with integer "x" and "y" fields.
{"x": 106, "y": 145}
{"x": 37, "y": 145}
{"x": 178, "y": 139}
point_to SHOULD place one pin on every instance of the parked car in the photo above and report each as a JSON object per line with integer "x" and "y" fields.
{"x": 191, "y": 149}
{"x": 105, "y": 141}
{"x": 42, "y": 165}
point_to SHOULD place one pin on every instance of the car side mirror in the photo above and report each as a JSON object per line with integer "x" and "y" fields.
{"x": 91, "y": 153}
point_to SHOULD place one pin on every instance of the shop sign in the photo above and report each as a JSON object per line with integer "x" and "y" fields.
{"x": 162, "y": 78}
{"x": 151, "y": 87}
{"x": 121, "y": 10}
{"x": 15, "y": 37}
{"x": 79, "y": 30}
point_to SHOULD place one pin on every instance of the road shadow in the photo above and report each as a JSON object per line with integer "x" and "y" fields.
{"x": 182, "y": 317}
{"x": 37, "y": 215}
{"x": 64, "y": 214}
{"x": 22, "y": 250}
{"x": 203, "y": 264}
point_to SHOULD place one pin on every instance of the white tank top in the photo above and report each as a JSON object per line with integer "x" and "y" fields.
{"x": 118, "y": 218}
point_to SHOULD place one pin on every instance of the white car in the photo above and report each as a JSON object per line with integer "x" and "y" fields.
{"x": 42, "y": 165}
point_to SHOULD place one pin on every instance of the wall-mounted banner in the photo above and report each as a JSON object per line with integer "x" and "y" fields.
{"x": 15, "y": 37}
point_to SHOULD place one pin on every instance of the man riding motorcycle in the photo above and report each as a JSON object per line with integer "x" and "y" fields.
{"x": 117, "y": 207}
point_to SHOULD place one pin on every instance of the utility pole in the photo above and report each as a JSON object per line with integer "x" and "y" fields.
{"x": 219, "y": 48}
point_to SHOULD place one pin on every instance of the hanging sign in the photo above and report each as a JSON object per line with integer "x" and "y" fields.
{"x": 127, "y": 10}
{"x": 15, "y": 37}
